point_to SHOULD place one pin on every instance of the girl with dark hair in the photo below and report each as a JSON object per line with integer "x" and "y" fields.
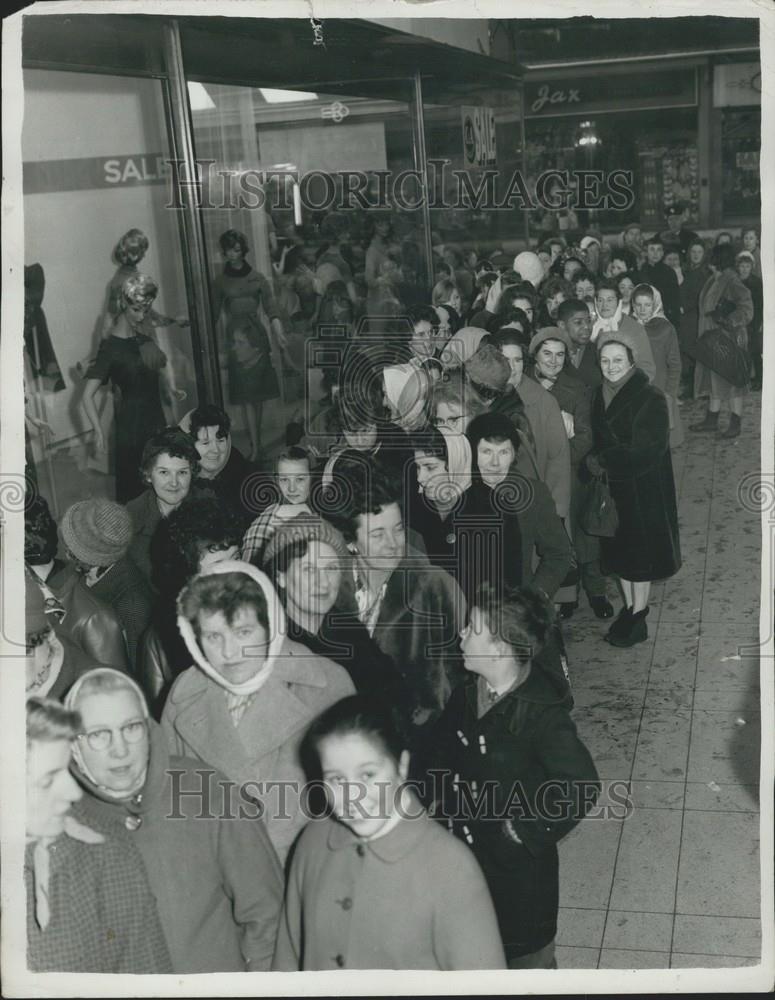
{"x": 428, "y": 908}
{"x": 724, "y": 303}
{"x": 507, "y": 727}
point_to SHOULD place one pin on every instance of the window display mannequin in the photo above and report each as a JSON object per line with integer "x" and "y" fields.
{"x": 239, "y": 292}
{"x": 133, "y": 363}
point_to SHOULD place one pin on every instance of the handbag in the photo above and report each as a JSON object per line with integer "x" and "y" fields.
{"x": 599, "y": 516}
{"x": 719, "y": 351}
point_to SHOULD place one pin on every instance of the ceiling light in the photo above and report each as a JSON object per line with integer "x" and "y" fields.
{"x": 285, "y": 96}
{"x": 199, "y": 98}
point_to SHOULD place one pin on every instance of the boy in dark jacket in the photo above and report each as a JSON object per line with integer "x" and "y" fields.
{"x": 511, "y": 776}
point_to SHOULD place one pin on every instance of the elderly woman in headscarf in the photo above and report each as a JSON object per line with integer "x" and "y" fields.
{"x": 216, "y": 878}
{"x": 133, "y": 363}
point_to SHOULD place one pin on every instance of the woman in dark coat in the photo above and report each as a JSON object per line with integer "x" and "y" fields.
{"x": 753, "y": 282}
{"x": 724, "y": 303}
{"x": 505, "y": 519}
{"x": 631, "y": 429}
{"x": 696, "y": 272}
{"x": 507, "y": 736}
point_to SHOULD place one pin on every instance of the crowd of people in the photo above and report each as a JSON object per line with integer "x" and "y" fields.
{"x": 317, "y": 713}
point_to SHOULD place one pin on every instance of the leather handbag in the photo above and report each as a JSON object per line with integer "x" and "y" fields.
{"x": 599, "y": 516}
{"x": 719, "y": 351}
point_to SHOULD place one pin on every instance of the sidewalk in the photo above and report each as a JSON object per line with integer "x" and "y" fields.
{"x": 676, "y": 884}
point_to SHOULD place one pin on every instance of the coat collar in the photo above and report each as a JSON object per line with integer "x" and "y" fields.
{"x": 626, "y": 394}
{"x": 396, "y": 844}
{"x": 274, "y": 716}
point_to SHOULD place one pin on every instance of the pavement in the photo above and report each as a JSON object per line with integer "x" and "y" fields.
{"x": 675, "y": 724}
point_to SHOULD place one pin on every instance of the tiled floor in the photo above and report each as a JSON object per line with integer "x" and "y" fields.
{"x": 676, "y": 723}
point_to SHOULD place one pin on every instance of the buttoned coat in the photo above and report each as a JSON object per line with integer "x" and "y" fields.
{"x": 414, "y": 898}
{"x": 264, "y": 746}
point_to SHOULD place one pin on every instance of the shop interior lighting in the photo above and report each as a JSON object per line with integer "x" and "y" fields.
{"x": 285, "y": 96}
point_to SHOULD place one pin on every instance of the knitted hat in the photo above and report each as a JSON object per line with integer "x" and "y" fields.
{"x": 588, "y": 240}
{"x": 97, "y": 531}
{"x": 304, "y": 528}
{"x": 549, "y": 333}
{"x": 618, "y": 337}
{"x": 529, "y": 267}
{"x": 488, "y": 367}
{"x": 746, "y": 255}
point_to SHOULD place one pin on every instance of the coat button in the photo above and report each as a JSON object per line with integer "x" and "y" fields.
{"x": 361, "y": 850}
{"x": 346, "y": 903}
{"x": 133, "y": 822}
{"x": 339, "y": 960}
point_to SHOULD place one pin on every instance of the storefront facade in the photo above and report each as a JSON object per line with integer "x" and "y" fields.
{"x": 684, "y": 129}
{"x": 187, "y": 127}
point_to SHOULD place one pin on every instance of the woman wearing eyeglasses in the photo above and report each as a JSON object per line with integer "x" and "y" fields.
{"x": 213, "y": 871}
{"x": 631, "y": 433}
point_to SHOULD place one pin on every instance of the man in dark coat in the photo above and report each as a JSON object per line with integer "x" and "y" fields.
{"x": 655, "y": 272}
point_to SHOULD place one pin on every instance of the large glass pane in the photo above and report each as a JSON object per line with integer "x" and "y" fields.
{"x": 475, "y": 128}
{"x": 278, "y": 164}
{"x": 94, "y": 148}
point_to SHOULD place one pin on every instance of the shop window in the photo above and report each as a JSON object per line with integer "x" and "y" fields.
{"x": 277, "y": 165}
{"x": 740, "y": 145}
{"x": 94, "y": 150}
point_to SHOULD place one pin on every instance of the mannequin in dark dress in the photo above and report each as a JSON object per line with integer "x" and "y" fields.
{"x": 132, "y": 363}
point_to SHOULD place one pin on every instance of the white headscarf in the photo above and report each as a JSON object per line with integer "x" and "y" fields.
{"x": 277, "y": 629}
{"x": 609, "y": 325}
{"x": 461, "y": 346}
{"x": 71, "y": 703}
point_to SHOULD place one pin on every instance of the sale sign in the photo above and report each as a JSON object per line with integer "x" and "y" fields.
{"x": 478, "y": 137}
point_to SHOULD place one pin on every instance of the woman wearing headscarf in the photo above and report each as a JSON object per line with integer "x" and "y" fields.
{"x": 133, "y": 363}
{"x": 724, "y": 303}
{"x": 443, "y": 462}
{"x": 631, "y": 431}
{"x": 608, "y": 318}
{"x": 212, "y": 869}
{"x": 667, "y": 354}
{"x": 245, "y": 703}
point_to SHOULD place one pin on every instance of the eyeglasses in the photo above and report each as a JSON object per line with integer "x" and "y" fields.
{"x": 102, "y": 739}
{"x": 452, "y": 422}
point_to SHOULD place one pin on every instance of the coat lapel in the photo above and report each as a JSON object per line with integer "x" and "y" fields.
{"x": 275, "y": 715}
